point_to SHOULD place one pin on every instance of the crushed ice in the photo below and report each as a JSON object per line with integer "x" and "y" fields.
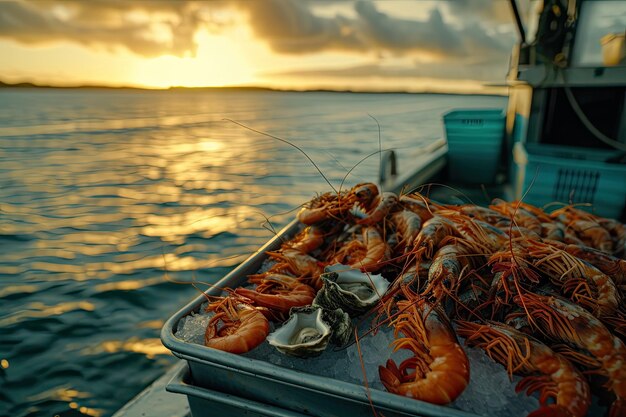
{"x": 490, "y": 392}
{"x": 191, "y": 328}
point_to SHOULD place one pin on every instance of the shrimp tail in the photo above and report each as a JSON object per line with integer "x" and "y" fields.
{"x": 389, "y": 375}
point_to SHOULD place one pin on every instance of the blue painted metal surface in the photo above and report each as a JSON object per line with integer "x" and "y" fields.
{"x": 475, "y": 138}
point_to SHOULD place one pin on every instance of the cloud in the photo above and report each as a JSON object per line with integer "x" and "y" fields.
{"x": 291, "y": 27}
{"x": 152, "y": 28}
{"x": 488, "y": 70}
{"x": 145, "y": 28}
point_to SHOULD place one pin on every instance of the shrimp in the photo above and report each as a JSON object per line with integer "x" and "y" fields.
{"x": 485, "y": 214}
{"x": 610, "y": 265}
{"x": 366, "y": 254}
{"x": 386, "y": 202}
{"x": 308, "y": 240}
{"x": 449, "y": 263}
{"x": 300, "y": 264}
{"x": 278, "y": 292}
{"x": 512, "y": 274}
{"x": 377, "y": 250}
{"x": 408, "y": 225}
{"x": 568, "y": 323}
{"x": 242, "y": 326}
{"x": 580, "y": 280}
{"x": 592, "y": 234}
{"x": 438, "y": 372}
{"x": 617, "y": 231}
{"x": 588, "y": 227}
{"x": 536, "y": 211}
{"x": 325, "y": 207}
{"x": 553, "y": 231}
{"x": 558, "y": 379}
{"x": 489, "y": 237}
{"x": 432, "y": 233}
{"x": 365, "y": 194}
{"x": 520, "y": 215}
{"x": 418, "y": 204}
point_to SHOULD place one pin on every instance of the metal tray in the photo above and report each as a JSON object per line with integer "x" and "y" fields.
{"x": 205, "y": 403}
{"x": 286, "y": 388}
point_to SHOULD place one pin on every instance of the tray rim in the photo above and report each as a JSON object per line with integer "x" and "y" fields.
{"x": 178, "y": 384}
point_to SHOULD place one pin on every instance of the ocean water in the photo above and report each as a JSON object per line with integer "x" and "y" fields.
{"x": 112, "y": 200}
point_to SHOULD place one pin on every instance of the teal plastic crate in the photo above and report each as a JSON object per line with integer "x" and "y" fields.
{"x": 599, "y": 184}
{"x": 475, "y": 138}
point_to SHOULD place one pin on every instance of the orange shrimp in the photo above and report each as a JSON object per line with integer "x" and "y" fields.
{"x": 558, "y": 379}
{"x": 300, "y": 264}
{"x": 278, "y": 292}
{"x": 520, "y": 215}
{"x": 325, "y": 207}
{"x": 418, "y": 204}
{"x": 592, "y": 234}
{"x": 553, "y": 231}
{"x": 482, "y": 233}
{"x": 612, "y": 266}
{"x": 512, "y": 274}
{"x": 580, "y": 280}
{"x": 432, "y": 233}
{"x": 617, "y": 231}
{"x": 309, "y": 239}
{"x": 452, "y": 259}
{"x": 590, "y": 229}
{"x": 536, "y": 211}
{"x": 365, "y": 194}
{"x": 408, "y": 225}
{"x": 438, "y": 372}
{"x": 483, "y": 213}
{"x": 386, "y": 202}
{"x": 366, "y": 254}
{"x": 377, "y": 250}
{"x": 242, "y": 326}
{"x": 568, "y": 323}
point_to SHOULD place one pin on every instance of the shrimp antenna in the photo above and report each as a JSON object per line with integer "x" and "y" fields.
{"x": 288, "y": 143}
{"x": 267, "y": 223}
{"x": 429, "y": 185}
{"x": 367, "y": 387}
{"x": 343, "y": 180}
{"x": 380, "y": 145}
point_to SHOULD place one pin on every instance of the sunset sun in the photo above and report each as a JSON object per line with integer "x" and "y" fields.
{"x": 219, "y": 61}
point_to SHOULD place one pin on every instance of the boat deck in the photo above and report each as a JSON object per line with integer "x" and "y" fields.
{"x": 155, "y": 401}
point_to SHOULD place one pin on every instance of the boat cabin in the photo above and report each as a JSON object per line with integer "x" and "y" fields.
{"x": 562, "y": 139}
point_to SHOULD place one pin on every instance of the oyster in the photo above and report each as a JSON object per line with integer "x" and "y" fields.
{"x": 304, "y": 334}
{"x": 349, "y": 289}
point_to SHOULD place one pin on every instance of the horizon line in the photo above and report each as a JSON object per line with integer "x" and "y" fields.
{"x": 27, "y": 84}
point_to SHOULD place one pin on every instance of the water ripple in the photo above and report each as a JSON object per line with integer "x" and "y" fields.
{"x": 113, "y": 202}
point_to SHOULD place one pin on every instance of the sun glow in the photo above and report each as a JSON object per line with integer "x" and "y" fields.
{"x": 219, "y": 61}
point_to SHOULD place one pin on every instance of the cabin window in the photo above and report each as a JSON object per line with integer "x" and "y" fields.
{"x": 600, "y": 30}
{"x": 602, "y": 106}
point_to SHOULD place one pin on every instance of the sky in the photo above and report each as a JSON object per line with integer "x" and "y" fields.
{"x": 406, "y": 45}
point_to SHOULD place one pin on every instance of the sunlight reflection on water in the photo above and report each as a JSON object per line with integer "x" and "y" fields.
{"x": 98, "y": 206}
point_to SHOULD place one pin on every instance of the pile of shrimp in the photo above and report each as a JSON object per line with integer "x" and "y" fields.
{"x": 540, "y": 292}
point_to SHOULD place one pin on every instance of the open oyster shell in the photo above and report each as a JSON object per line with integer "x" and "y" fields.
{"x": 349, "y": 289}
{"x": 304, "y": 334}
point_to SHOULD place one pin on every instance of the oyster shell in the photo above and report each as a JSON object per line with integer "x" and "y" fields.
{"x": 304, "y": 334}
{"x": 349, "y": 289}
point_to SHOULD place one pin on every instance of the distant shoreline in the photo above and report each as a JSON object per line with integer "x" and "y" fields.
{"x": 28, "y": 85}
